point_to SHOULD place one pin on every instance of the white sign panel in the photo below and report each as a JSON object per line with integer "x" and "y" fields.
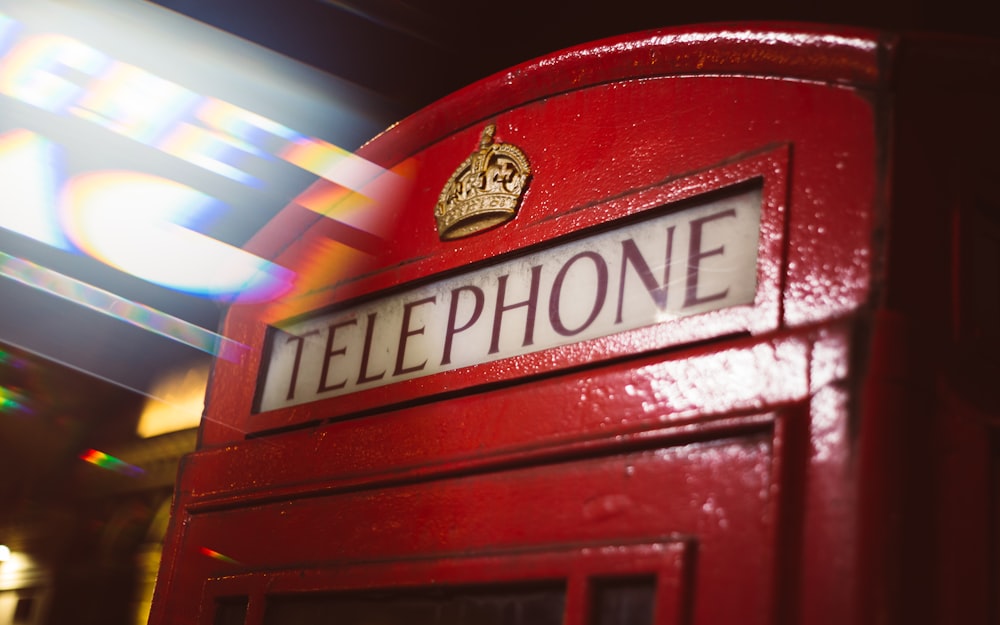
{"x": 643, "y": 273}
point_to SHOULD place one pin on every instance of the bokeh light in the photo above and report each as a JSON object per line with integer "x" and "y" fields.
{"x": 176, "y": 402}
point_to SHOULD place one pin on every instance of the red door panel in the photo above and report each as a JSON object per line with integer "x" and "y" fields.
{"x": 669, "y": 488}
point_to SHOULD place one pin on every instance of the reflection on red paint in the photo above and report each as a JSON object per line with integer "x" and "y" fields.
{"x": 215, "y": 555}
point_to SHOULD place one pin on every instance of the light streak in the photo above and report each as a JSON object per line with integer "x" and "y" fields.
{"x": 117, "y": 307}
{"x": 205, "y": 131}
{"x": 110, "y": 463}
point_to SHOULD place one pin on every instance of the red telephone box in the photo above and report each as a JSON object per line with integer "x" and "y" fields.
{"x": 695, "y": 325}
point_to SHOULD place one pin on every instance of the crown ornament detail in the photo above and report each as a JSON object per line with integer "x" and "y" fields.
{"x": 485, "y": 191}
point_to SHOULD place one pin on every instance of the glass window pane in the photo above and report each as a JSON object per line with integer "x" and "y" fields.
{"x": 231, "y": 611}
{"x": 624, "y": 601}
{"x": 438, "y": 606}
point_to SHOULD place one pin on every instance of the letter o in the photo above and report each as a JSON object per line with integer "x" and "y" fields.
{"x": 555, "y": 296}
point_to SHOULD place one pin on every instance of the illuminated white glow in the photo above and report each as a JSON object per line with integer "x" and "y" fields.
{"x": 134, "y": 103}
{"x": 7, "y": 29}
{"x": 134, "y": 222}
{"x": 131, "y": 221}
{"x": 4, "y": 553}
{"x": 32, "y": 75}
{"x": 20, "y": 570}
{"x": 27, "y": 177}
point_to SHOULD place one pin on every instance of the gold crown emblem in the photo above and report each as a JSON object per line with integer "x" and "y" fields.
{"x": 484, "y": 191}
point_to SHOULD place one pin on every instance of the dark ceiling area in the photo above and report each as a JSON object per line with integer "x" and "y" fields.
{"x": 409, "y": 53}
{"x": 416, "y": 51}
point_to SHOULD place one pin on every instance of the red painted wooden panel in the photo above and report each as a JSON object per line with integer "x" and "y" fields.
{"x": 718, "y": 494}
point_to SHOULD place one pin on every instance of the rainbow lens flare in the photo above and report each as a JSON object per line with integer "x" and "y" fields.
{"x": 99, "y": 212}
{"x": 30, "y": 169}
{"x": 8, "y": 359}
{"x": 11, "y": 400}
{"x": 105, "y": 461}
{"x": 215, "y": 555}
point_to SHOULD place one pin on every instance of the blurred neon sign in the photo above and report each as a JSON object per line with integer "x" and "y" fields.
{"x": 140, "y": 222}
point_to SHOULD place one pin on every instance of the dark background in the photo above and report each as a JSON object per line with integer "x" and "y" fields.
{"x": 416, "y": 51}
